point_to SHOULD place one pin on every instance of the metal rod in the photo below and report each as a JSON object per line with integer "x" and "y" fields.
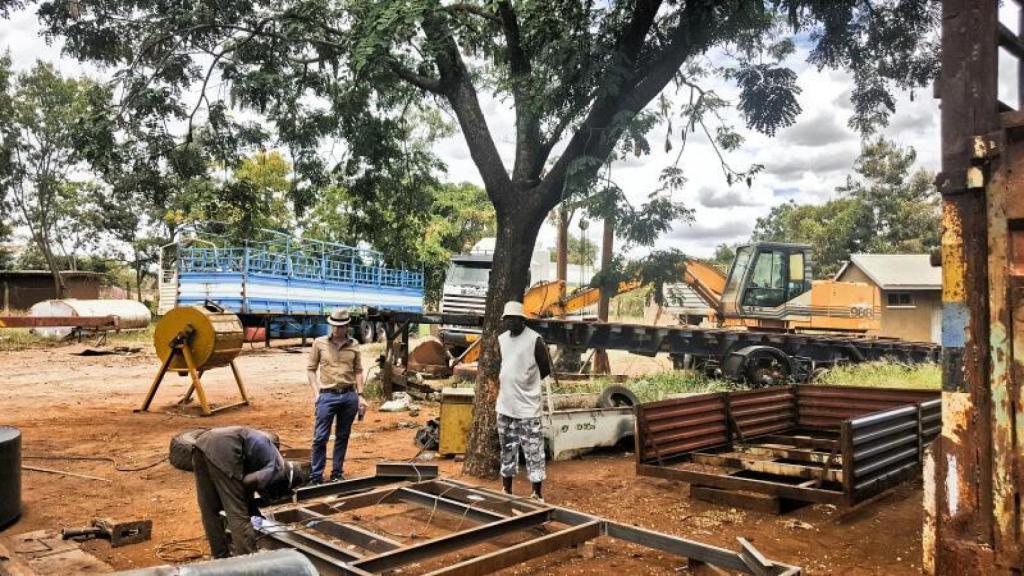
{"x": 62, "y": 473}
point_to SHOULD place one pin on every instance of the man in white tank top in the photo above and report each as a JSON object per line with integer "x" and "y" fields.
{"x": 524, "y": 363}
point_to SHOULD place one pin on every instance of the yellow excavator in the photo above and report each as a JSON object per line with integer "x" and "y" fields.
{"x": 769, "y": 287}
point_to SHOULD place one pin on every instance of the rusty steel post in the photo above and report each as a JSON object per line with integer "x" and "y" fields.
{"x": 972, "y": 520}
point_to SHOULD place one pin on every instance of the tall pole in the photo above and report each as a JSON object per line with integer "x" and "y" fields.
{"x": 971, "y": 523}
{"x": 601, "y": 363}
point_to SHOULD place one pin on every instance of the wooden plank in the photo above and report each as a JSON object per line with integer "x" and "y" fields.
{"x": 801, "y": 441}
{"x": 769, "y": 467}
{"x": 789, "y": 491}
{"x": 764, "y": 503}
{"x": 779, "y": 451}
{"x": 506, "y": 557}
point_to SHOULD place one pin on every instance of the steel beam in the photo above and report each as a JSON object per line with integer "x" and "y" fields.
{"x": 523, "y": 552}
{"x": 445, "y": 544}
{"x": 448, "y": 505}
{"x": 346, "y": 532}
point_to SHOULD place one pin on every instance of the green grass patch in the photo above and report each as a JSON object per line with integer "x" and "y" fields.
{"x": 885, "y": 375}
{"x": 652, "y": 387}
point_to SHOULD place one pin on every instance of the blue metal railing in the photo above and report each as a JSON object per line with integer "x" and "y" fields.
{"x": 352, "y": 266}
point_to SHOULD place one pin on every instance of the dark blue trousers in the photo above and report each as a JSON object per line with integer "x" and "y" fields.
{"x": 332, "y": 407}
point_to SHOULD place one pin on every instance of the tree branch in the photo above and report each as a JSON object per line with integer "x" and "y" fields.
{"x": 593, "y": 137}
{"x": 432, "y": 85}
{"x": 457, "y": 87}
{"x": 472, "y": 9}
{"x": 528, "y": 138}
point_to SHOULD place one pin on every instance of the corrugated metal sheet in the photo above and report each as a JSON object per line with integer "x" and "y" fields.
{"x": 829, "y": 406}
{"x": 678, "y": 425}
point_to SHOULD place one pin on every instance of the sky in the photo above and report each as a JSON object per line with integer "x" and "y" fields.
{"x": 804, "y": 162}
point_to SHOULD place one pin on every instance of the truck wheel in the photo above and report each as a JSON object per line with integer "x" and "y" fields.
{"x": 617, "y": 396}
{"x": 364, "y": 332}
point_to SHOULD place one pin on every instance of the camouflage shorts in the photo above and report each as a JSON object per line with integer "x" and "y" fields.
{"x": 527, "y": 433}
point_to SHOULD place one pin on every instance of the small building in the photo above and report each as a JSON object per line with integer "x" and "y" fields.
{"x": 20, "y": 289}
{"x": 911, "y": 292}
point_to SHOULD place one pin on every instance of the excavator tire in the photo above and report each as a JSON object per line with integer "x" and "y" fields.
{"x": 617, "y": 396}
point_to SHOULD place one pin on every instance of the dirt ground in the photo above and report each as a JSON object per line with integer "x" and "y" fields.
{"x": 67, "y": 404}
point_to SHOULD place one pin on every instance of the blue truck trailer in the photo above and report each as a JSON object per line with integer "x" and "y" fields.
{"x": 285, "y": 286}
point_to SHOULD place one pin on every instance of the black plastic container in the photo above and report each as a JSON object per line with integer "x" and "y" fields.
{"x": 10, "y": 475}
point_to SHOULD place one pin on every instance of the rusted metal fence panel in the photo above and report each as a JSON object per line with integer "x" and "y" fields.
{"x": 843, "y": 444}
{"x": 829, "y": 406}
{"x": 671, "y": 427}
{"x": 757, "y": 412}
{"x": 886, "y": 449}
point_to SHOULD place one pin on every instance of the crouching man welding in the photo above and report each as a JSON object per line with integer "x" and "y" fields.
{"x": 231, "y": 464}
{"x": 524, "y": 363}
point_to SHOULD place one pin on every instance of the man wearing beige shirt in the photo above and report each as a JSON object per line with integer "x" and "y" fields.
{"x": 335, "y": 372}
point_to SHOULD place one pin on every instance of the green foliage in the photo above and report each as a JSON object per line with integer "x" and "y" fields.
{"x": 724, "y": 255}
{"x": 49, "y": 129}
{"x": 887, "y": 207}
{"x": 376, "y": 74}
{"x": 658, "y": 268}
{"x": 652, "y": 387}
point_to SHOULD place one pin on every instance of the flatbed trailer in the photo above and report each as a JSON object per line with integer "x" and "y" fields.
{"x": 756, "y": 356}
{"x": 285, "y": 287}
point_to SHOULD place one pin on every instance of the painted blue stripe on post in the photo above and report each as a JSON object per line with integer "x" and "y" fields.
{"x": 955, "y": 317}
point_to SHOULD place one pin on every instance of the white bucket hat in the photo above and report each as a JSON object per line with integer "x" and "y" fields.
{"x": 513, "y": 308}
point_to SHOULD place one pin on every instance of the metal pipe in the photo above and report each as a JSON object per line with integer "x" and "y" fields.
{"x": 269, "y": 563}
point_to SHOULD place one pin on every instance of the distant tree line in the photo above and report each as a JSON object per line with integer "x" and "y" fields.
{"x": 96, "y": 194}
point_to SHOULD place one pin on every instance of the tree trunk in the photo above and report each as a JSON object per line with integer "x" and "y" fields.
{"x": 58, "y": 280}
{"x": 562, "y": 262}
{"x": 517, "y": 233}
{"x": 601, "y": 364}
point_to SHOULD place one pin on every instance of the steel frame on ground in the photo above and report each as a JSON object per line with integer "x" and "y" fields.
{"x": 305, "y": 523}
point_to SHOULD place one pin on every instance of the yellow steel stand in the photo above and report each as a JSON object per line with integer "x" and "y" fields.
{"x": 181, "y": 344}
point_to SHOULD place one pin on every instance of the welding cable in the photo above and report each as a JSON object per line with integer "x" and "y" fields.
{"x": 73, "y": 457}
{"x": 176, "y": 551}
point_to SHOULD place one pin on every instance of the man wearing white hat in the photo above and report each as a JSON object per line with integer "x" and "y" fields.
{"x": 339, "y": 390}
{"x": 524, "y": 363}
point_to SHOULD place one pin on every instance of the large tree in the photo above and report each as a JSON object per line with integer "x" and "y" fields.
{"x": 583, "y": 78}
{"x": 49, "y": 125}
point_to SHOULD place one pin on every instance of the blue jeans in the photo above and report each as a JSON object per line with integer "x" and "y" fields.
{"x": 331, "y": 406}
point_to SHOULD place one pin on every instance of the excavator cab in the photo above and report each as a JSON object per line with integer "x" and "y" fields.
{"x": 769, "y": 286}
{"x": 764, "y": 277}
{"x": 767, "y": 275}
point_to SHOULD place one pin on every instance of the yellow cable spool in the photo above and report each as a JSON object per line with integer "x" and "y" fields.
{"x": 217, "y": 336}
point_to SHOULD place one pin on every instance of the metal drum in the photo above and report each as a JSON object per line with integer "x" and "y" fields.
{"x": 10, "y": 475}
{"x": 217, "y": 336}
